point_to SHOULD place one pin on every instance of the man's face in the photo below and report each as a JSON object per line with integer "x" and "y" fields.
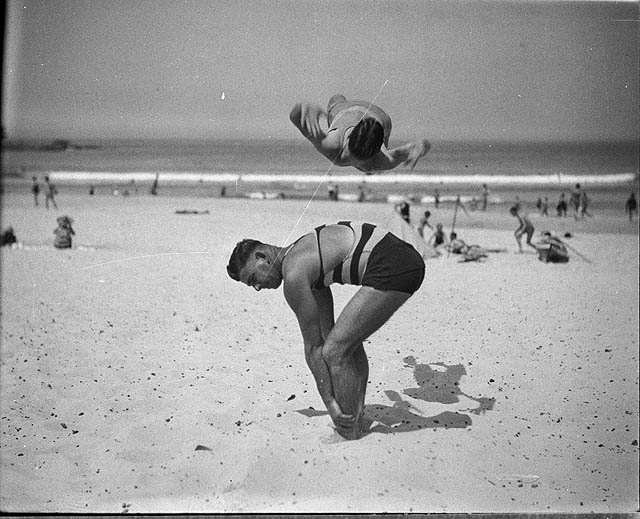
{"x": 258, "y": 272}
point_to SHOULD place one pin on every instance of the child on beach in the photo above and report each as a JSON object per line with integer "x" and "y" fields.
{"x": 357, "y": 135}
{"x": 63, "y": 233}
{"x": 526, "y": 227}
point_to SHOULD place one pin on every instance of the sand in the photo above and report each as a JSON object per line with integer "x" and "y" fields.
{"x": 137, "y": 377}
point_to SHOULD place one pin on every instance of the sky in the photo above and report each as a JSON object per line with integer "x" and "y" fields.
{"x": 442, "y": 69}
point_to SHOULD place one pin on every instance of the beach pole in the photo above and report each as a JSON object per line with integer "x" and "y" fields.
{"x": 455, "y": 214}
{"x": 577, "y": 253}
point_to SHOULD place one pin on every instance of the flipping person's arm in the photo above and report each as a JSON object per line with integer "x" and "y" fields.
{"x": 406, "y": 155}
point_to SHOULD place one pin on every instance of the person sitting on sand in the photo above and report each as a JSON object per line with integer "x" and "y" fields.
{"x": 388, "y": 270}
{"x": 526, "y": 227}
{"x": 357, "y": 135}
{"x": 403, "y": 209}
{"x": 63, "y": 233}
{"x": 8, "y": 237}
{"x": 551, "y": 249}
{"x": 438, "y": 238}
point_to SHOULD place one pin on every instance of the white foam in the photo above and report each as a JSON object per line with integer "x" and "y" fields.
{"x": 190, "y": 178}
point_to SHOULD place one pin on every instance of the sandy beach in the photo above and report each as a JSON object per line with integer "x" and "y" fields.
{"x": 137, "y": 377}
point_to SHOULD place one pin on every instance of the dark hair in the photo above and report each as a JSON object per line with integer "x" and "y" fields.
{"x": 366, "y": 138}
{"x": 239, "y": 257}
{"x": 453, "y": 235}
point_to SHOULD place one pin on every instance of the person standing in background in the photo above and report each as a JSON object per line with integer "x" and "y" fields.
{"x": 631, "y": 206}
{"x": 485, "y": 196}
{"x": 35, "y": 189}
{"x": 49, "y": 193}
{"x": 561, "y": 208}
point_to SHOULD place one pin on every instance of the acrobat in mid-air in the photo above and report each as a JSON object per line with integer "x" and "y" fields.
{"x": 357, "y": 135}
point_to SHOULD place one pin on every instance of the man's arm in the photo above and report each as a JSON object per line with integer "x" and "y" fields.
{"x": 407, "y": 154}
{"x": 312, "y": 317}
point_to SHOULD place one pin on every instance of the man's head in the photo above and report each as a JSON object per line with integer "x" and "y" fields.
{"x": 366, "y": 139}
{"x": 252, "y": 263}
{"x": 514, "y": 210}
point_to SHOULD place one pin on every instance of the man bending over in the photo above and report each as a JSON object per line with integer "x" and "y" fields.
{"x": 357, "y": 135}
{"x": 388, "y": 270}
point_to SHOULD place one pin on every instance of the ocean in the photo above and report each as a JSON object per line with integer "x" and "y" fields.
{"x": 294, "y": 168}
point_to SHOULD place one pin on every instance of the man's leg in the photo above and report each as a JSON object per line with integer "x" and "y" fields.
{"x": 335, "y": 99}
{"x": 529, "y": 236}
{"x": 362, "y": 367}
{"x": 367, "y": 311}
{"x": 517, "y": 235}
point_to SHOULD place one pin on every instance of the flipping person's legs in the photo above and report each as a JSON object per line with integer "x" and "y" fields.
{"x": 367, "y": 311}
{"x": 336, "y": 99}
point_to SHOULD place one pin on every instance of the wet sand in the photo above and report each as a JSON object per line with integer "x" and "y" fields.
{"x": 137, "y": 377}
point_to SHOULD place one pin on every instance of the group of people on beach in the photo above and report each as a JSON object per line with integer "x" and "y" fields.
{"x": 64, "y": 230}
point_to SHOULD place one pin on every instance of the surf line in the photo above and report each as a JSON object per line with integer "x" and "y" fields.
{"x": 322, "y": 179}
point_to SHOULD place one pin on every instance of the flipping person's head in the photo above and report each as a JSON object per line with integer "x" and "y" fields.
{"x": 366, "y": 139}
{"x": 252, "y": 264}
{"x": 513, "y": 210}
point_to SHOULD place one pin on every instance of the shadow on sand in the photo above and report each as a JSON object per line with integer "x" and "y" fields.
{"x": 437, "y": 383}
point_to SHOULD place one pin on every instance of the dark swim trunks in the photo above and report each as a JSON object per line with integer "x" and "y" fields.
{"x": 378, "y": 260}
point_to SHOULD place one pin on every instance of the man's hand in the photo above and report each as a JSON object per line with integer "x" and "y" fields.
{"x": 345, "y": 421}
{"x": 418, "y": 150}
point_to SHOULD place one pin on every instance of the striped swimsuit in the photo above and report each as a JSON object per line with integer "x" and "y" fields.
{"x": 377, "y": 259}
